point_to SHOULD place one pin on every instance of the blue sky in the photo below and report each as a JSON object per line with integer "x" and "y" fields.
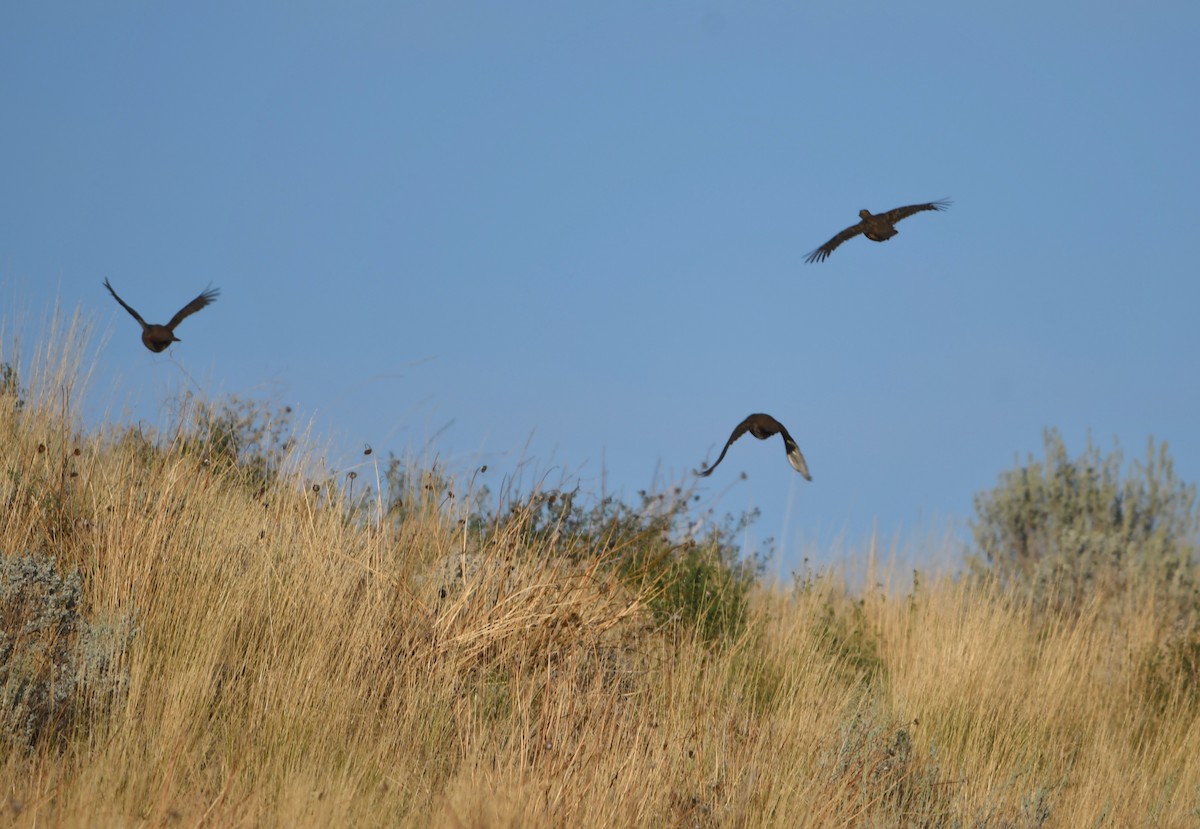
{"x": 573, "y": 237}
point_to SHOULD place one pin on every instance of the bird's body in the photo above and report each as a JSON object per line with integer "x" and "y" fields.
{"x": 159, "y": 337}
{"x": 763, "y": 426}
{"x": 877, "y": 228}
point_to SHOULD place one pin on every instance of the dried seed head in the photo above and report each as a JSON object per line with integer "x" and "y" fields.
{"x": 368, "y": 450}
{"x": 41, "y": 448}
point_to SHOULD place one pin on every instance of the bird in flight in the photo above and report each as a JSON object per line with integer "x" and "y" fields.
{"x": 762, "y": 426}
{"x": 158, "y": 337}
{"x": 877, "y": 228}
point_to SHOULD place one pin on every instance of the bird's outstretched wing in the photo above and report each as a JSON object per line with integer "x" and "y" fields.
{"x": 793, "y": 454}
{"x": 740, "y": 430}
{"x": 893, "y": 216}
{"x": 132, "y": 312}
{"x": 822, "y": 253}
{"x": 192, "y": 307}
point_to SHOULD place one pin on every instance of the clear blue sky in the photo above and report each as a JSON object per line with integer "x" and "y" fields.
{"x": 575, "y": 235}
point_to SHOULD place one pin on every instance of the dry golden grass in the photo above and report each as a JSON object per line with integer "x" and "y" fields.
{"x": 293, "y": 668}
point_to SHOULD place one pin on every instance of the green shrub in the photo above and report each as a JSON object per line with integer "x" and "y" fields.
{"x": 706, "y": 587}
{"x": 696, "y": 579}
{"x": 246, "y": 434}
{"x": 846, "y": 634}
{"x": 1073, "y": 528}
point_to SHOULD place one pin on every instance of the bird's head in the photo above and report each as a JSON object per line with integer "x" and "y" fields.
{"x": 864, "y": 214}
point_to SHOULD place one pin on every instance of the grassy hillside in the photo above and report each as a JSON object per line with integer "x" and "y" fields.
{"x": 193, "y": 639}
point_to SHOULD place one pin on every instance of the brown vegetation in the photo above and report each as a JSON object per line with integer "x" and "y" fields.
{"x": 260, "y": 653}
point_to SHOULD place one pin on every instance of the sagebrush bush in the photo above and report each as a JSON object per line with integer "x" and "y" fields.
{"x": 38, "y": 624}
{"x": 1077, "y": 529}
{"x": 53, "y": 661}
{"x": 10, "y": 386}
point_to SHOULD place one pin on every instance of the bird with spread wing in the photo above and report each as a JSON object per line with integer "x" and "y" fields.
{"x": 877, "y": 228}
{"x": 158, "y": 337}
{"x": 763, "y": 426}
